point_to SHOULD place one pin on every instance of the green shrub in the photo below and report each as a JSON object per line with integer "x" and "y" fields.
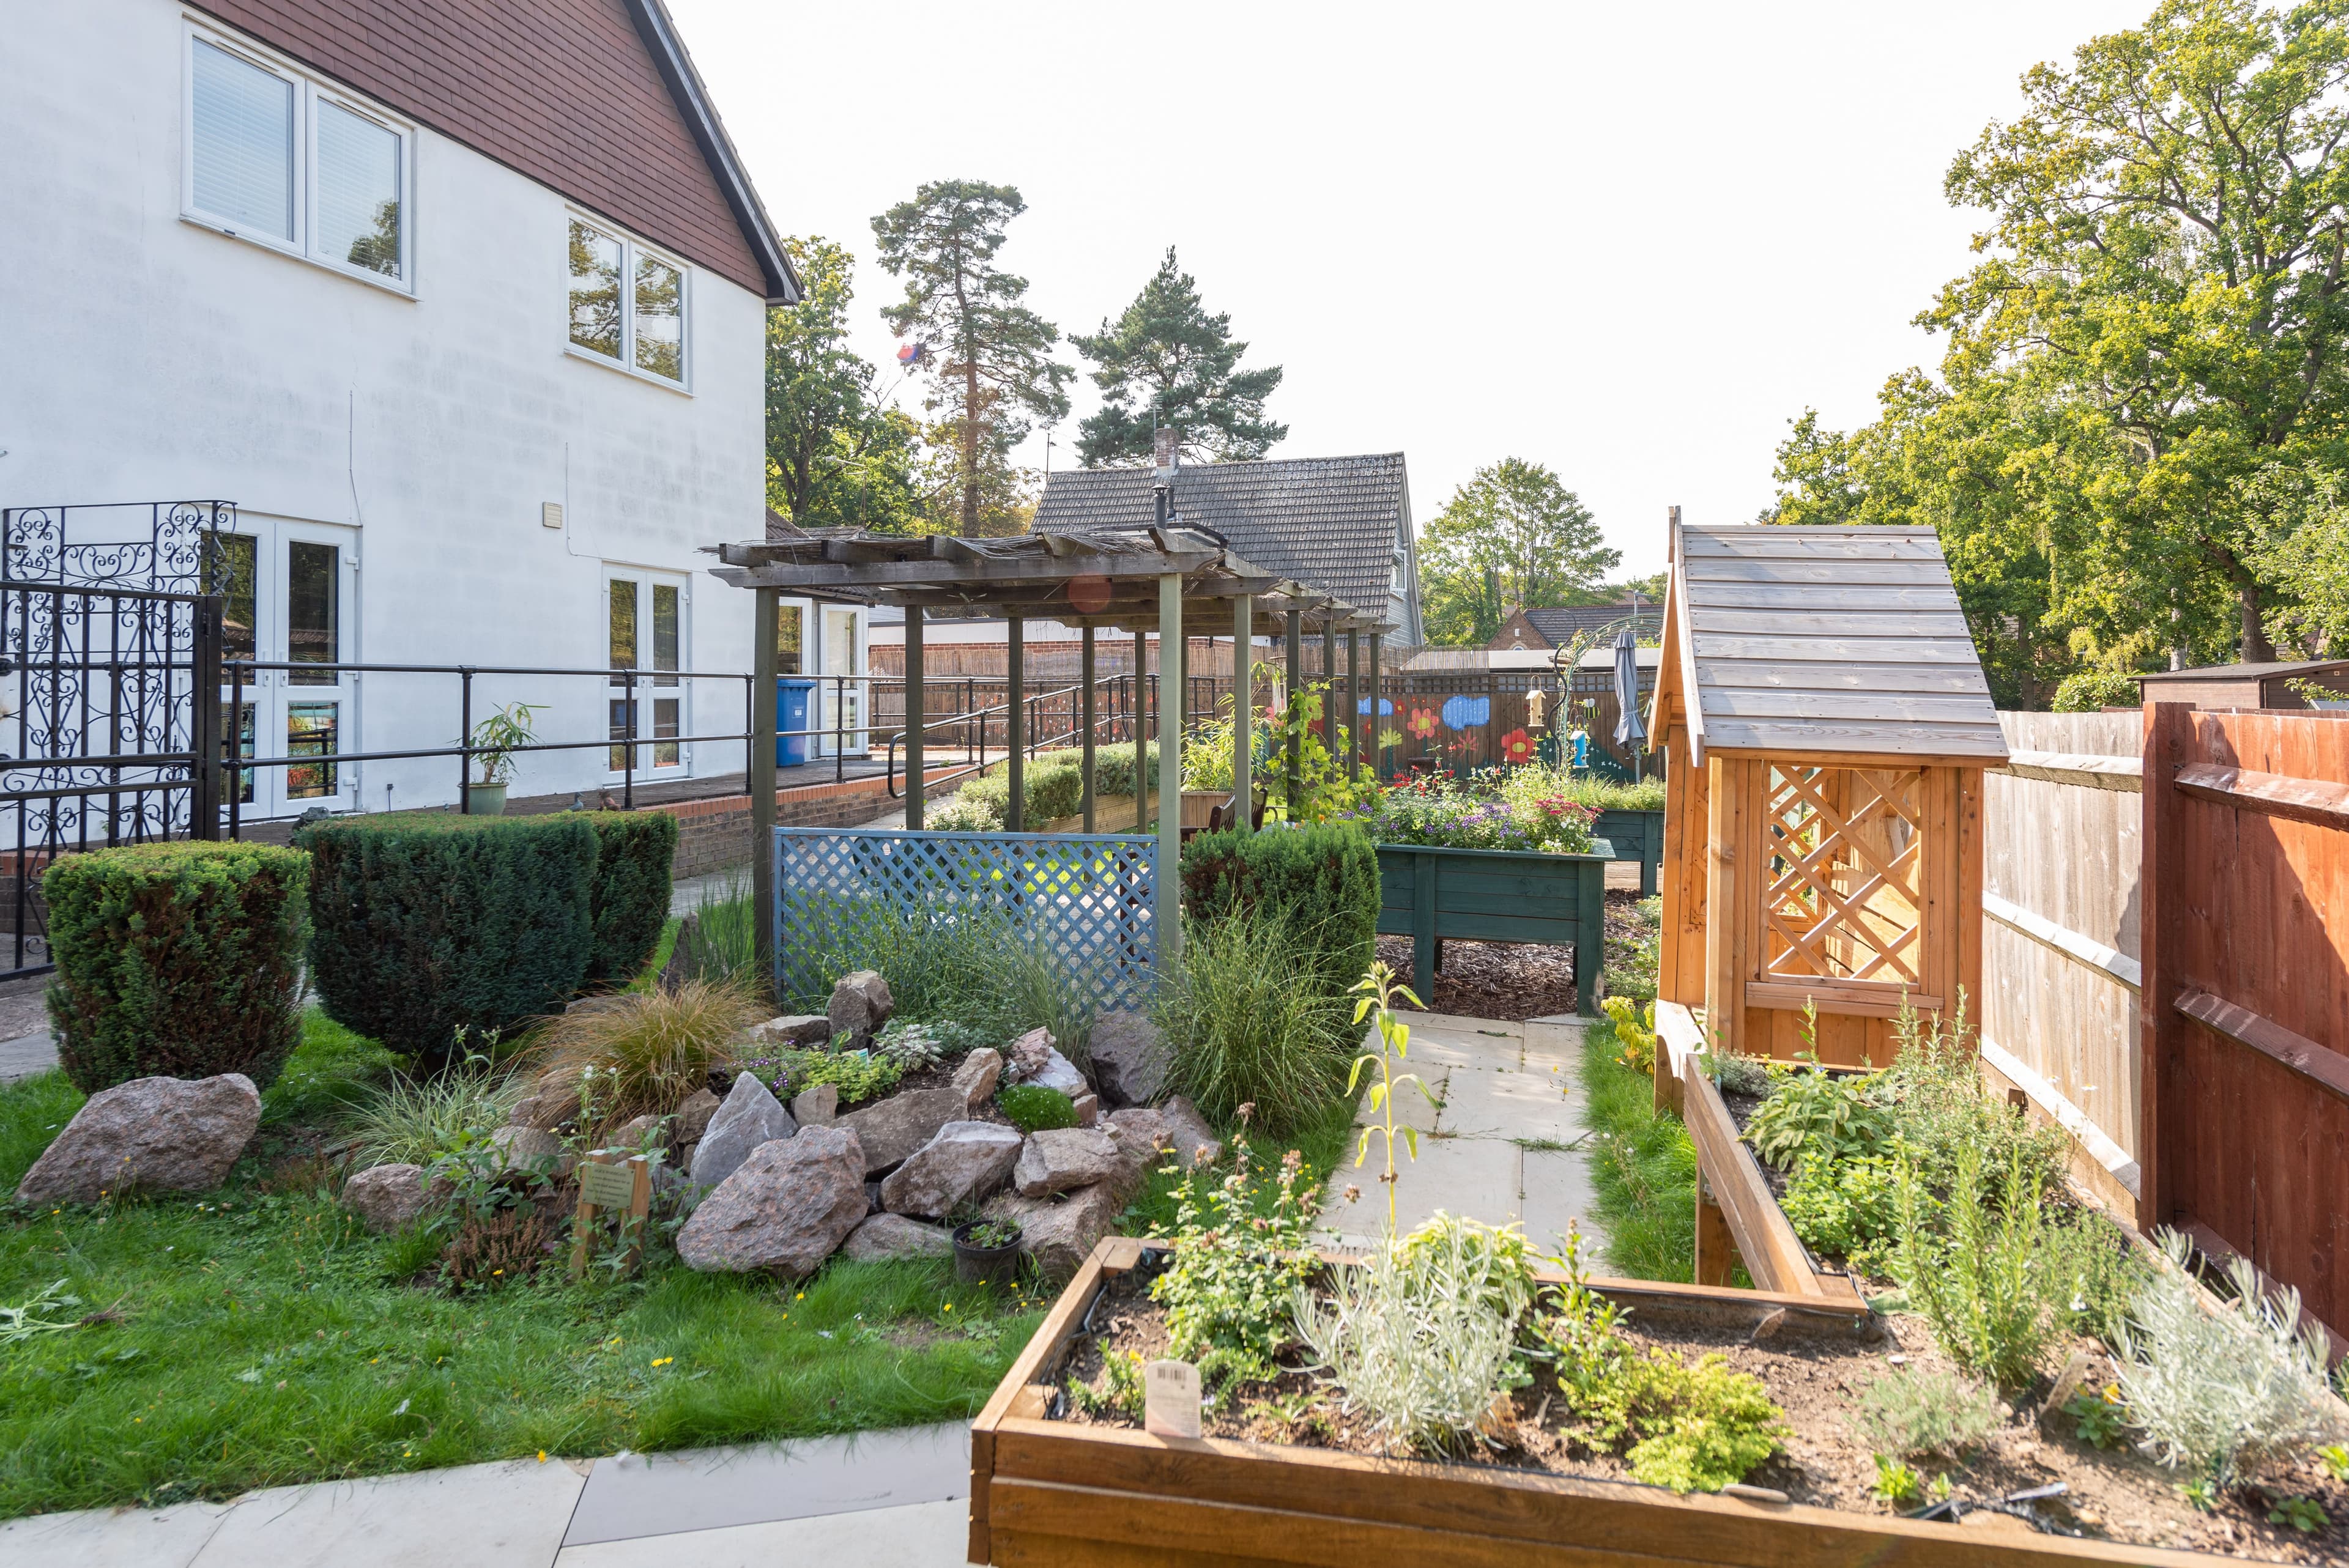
{"x": 859, "y": 1076}
{"x": 1975, "y": 1272}
{"x": 1849, "y": 1209}
{"x": 1250, "y": 1024}
{"x": 2088, "y": 691}
{"x": 1695, "y": 1428}
{"x": 176, "y": 961}
{"x": 1052, "y": 789}
{"x": 1032, "y": 1107}
{"x": 1910, "y": 1411}
{"x": 428, "y": 923}
{"x": 1113, "y": 766}
{"x": 1814, "y": 1111}
{"x": 1321, "y": 881}
{"x": 629, "y": 902}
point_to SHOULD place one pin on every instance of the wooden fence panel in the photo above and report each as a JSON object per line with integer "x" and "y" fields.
{"x": 2059, "y": 1015}
{"x": 2246, "y": 1025}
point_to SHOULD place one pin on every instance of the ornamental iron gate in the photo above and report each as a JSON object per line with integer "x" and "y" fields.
{"x": 109, "y": 680}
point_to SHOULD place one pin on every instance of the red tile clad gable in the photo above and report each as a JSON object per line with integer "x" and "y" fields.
{"x": 565, "y": 91}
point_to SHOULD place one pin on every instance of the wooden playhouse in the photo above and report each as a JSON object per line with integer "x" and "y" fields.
{"x": 1826, "y": 723}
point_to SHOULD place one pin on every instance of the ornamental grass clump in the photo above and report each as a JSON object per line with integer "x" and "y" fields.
{"x": 416, "y": 1120}
{"x": 646, "y": 1050}
{"x": 1250, "y": 1023}
{"x": 2222, "y": 1393}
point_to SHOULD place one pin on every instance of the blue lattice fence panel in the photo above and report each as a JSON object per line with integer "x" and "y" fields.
{"x": 1086, "y": 898}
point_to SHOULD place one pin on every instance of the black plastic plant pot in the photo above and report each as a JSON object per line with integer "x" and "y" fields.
{"x": 976, "y": 1265}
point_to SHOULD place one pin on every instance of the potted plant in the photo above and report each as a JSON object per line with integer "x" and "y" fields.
{"x": 494, "y": 740}
{"x": 987, "y": 1251}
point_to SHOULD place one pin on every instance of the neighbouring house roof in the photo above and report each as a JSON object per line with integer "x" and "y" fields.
{"x": 1437, "y": 661}
{"x": 1822, "y": 642}
{"x": 1559, "y": 626}
{"x": 1333, "y": 522}
{"x": 594, "y": 98}
{"x": 2305, "y": 669}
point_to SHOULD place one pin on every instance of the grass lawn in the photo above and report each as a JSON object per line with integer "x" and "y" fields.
{"x": 265, "y": 1337}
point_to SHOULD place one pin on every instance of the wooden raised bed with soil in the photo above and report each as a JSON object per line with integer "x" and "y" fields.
{"x": 1051, "y": 1486}
{"x": 1430, "y": 892}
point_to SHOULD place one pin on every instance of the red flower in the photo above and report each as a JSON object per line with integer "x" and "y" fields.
{"x": 1421, "y": 722}
{"x": 1517, "y": 745}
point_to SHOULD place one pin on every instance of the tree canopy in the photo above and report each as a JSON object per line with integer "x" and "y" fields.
{"x": 1514, "y": 535}
{"x": 992, "y": 372}
{"x": 2146, "y": 389}
{"x": 834, "y": 457}
{"x": 1166, "y": 362}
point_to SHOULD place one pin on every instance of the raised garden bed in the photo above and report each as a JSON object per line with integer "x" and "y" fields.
{"x": 1635, "y": 835}
{"x": 1430, "y": 892}
{"x": 1050, "y": 1485}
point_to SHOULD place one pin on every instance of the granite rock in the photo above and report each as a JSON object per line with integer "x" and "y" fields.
{"x": 784, "y": 1209}
{"x": 527, "y": 1152}
{"x": 693, "y": 1114}
{"x": 1128, "y": 1056}
{"x": 883, "y": 1236}
{"x": 860, "y": 1004}
{"x": 817, "y": 1105}
{"x": 1058, "y": 1233}
{"x": 976, "y": 1076}
{"x": 892, "y": 1128}
{"x": 792, "y": 1031}
{"x": 966, "y": 1163}
{"x": 165, "y": 1134}
{"x": 389, "y": 1197}
{"x": 750, "y": 1117}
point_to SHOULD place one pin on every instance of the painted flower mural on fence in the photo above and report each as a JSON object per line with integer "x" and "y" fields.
{"x": 1517, "y": 745}
{"x": 1421, "y": 722}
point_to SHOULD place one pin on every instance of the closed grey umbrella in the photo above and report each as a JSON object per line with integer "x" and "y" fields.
{"x": 1628, "y": 725}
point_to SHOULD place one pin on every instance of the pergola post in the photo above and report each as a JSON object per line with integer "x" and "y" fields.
{"x": 1167, "y": 918}
{"x": 915, "y": 715}
{"x": 1296, "y": 652}
{"x": 1015, "y": 815}
{"x": 1353, "y": 704}
{"x": 1085, "y": 676}
{"x": 759, "y": 778}
{"x": 1330, "y": 681}
{"x": 1378, "y": 735}
{"x": 1141, "y": 732}
{"x": 1243, "y": 707}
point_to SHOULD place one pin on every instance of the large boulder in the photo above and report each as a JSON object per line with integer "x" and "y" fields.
{"x": 792, "y": 1030}
{"x": 784, "y": 1209}
{"x": 966, "y": 1162}
{"x": 976, "y": 1079}
{"x": 884, "y": 1236}
{"x": 752, "y": 1115}
{"x": 390, "y": 1197}
{"x": 1129, "y": 1059}
{"x": 892, "y": 1128}
{"x": 693, "y": 1114}
{"x": 1060, "y": 1232}
{"x": 164, "y": 1134}
{"x": 860, "y": 1004}
{"x": 1063, "y": 1158}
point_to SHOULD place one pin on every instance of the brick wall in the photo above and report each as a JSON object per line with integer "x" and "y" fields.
{"x": 714, "y": 834}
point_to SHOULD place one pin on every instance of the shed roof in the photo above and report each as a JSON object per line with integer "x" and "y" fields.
{"x": 2307, "y": 668}
{"x": 1844, "y": 642}
{"x": 1335, "y": 523}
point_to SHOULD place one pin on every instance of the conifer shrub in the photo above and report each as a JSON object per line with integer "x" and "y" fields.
{"x": 176, "y": 960}
{"x": 1320, "y": 881}
{"x": 629, "y": 902}
{"x": 426, "y": 924}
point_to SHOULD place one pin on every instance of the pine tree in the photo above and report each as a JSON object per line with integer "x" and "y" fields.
{"x": 992, "y": 369}
{"x": 1167, "y": 362}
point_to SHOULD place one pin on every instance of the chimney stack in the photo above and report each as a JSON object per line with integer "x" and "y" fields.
{"x": 1162, "y": 449}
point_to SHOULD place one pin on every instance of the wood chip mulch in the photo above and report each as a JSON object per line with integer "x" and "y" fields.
{"x": 1507, "y": 980}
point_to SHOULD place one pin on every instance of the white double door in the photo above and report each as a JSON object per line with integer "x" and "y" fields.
{"x": 290, "y": 598}
{"x": 645, "y": 615}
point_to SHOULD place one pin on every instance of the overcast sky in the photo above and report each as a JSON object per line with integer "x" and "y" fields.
{"x": 1628, "y": 241}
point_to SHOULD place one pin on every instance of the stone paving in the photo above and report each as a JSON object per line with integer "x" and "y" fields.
{"x": 877, "y": 1499}
{"x": 1503, "y": 1143}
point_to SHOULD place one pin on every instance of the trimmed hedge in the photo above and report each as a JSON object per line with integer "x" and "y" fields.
{"x": 1053, "y": 789}
{"x": 428, "y": 922}
{"x": 180, "y": 960}
{"x": 629, "y": 901}
{"x": 1323, "y": 879}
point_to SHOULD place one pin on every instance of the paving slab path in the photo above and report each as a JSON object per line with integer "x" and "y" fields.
{"x": 1503, "y": 1143}
{"x": 877, "y": 1499}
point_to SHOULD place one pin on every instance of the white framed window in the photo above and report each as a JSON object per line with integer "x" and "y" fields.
{"x": 627, "y": 301}
{"x": 277, "y": 156}
{"x": 645, "y": 615}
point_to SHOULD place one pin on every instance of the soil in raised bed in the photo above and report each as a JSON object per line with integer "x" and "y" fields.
{"x": 1509, "y": 981}
{"x": 2113, "y": 1495}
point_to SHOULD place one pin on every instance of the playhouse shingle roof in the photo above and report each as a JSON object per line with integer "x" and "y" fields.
{"x": 1331, "y": 523}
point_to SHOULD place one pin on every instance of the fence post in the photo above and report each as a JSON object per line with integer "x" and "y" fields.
{"x": 1141, "y": 740}
{"x": 1378, "y": 734}
{"x": 2168, "y": 729}
{"x": 1166, "y": 920}
{"x": 917, "y": 712}
{"x": 203, "y": 730}
{"x": 1354, "y": 705}
{"x": 1015, "y": 814}
{"x": 1296, "y": 652}
{"x": 1243, "y": 709}
{"x": 1085, "y": 678}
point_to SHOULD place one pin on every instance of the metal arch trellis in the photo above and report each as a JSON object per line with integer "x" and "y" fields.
{"x": 1087, "y": 898}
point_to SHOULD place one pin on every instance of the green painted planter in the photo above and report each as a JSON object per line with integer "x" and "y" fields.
{"x": 1429, "y": 893}
{"x": 1637, "y": 835}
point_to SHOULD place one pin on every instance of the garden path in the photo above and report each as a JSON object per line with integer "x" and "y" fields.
{"x": 879, "y": 1499}
{"x": 1504, "y": 1142}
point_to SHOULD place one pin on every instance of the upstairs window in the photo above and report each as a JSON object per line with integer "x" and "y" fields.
{"x": 296, "y": 164}
{"x": 628, "y": 302}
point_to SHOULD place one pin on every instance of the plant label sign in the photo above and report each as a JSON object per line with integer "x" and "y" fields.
{"x": 606, "y": 1186}
{"x": 1169, "y": 1399}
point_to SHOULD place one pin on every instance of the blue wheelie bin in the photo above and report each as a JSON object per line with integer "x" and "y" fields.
{"x": 794, "y": 699}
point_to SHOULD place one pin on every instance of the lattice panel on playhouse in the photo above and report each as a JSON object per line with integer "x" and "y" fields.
{"x": 1087, "y": 899}
{"x": 1845, "y": 852}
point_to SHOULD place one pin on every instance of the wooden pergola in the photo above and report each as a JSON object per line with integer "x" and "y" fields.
{"x": 1158, "y": 578}
{"x": 1827, "y": 723}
